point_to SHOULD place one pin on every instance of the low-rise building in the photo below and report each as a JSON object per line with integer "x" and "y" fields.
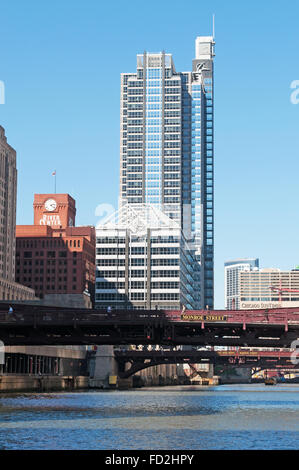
{"x": 53, "y": 256}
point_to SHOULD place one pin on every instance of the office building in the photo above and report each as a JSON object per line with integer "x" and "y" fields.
{"x": 8, "y": 177}
{"x": 167, "y": 150}
{"x": 143, "y": 261}
{"x": 269, "y": 288}
{"x": 55, "y": 257}
{"x": 9, "y": 289}
{"x": 232, "y": 271}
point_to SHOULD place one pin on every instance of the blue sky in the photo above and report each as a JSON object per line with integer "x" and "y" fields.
{"x": 61, "y": 63}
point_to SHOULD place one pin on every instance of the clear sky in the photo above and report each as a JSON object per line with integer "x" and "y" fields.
{"x": 61, "y": 62}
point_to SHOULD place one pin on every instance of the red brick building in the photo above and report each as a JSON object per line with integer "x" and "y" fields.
{"x": 53, "y": 256}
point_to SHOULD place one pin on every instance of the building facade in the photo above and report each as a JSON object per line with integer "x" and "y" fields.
{"x": 8, "y": 182}
{"x": 143, "y": 261}
{"x": 167, "y": 147}
{"x": 53, "y": 256}
{"x": 232, "y": 270}
{"x": 22, "y": 361}
{"x": 269, "y": 288}
{"x": 9, "y": 289}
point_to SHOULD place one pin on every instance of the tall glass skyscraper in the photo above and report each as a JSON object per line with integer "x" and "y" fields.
{"x": 167, "y": 148}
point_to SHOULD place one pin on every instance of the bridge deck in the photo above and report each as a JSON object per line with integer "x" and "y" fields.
{"x": 58, "y": 315}
{"x": 38, "y": 325}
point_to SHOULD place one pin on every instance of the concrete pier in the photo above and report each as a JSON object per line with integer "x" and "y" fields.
{"x": 105, "y": 367}
{"x": 104, "y": 373}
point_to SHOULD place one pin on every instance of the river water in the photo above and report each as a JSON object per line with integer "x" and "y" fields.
{"x": 164, "y": 418}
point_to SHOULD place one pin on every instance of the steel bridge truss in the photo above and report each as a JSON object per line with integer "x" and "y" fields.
{"x": 132, "y": 361}
{"x": 34, "y": 325}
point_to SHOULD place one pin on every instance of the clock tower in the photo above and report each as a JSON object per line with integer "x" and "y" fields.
{"x": 56, "y": 210}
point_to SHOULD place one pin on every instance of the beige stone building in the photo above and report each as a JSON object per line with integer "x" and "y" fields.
{"x": 268, "y": 288}
{"x": 8, "y": 194}
{"x": 9, "y": 289}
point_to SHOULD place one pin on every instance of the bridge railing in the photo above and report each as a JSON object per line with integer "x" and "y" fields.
{"x": 240, "y": 316}
{"x": 76, "y": 316}
{"x": 189, "y": 355}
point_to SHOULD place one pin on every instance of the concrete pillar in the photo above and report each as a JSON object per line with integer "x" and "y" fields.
{"x": 211, "y": 371}
{"x": 105, "y": 366}
{"x": 235, "y": 375}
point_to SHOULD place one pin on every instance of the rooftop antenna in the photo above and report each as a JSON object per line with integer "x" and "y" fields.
{"x": 213, "y": 26}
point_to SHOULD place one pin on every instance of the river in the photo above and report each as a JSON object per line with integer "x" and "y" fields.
{"x": 164, "y": 418}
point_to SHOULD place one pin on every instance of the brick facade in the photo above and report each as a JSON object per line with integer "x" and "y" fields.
{"x": 52, "y": 257}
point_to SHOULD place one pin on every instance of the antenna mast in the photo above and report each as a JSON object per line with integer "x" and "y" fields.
{"x": 213, "y": 26}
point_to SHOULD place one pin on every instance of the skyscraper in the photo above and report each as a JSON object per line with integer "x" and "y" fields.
{"x": 9, "y": 289}
{"x": 166, "y": 147}
{"x": 144, "y": 261}
{"x": 8, "y": 181}
{"x": 232, "y": 270}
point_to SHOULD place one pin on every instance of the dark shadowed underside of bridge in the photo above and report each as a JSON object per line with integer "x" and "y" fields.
{"x": 132, "y": 361}
{"x": 35, "y": 325}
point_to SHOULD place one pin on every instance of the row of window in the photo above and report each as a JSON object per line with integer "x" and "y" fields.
{"x": 41, "y": 271}
{"x": 138, "y": 262}
{"x": 138, "y": 273}
{"x": 154, "y": 239}
{"x": 47, "y": 243}
{"x": 49, "y": 254}
{"x": 137, "y": 296}
{"x": 141, "y": 250}
{"x": 137, "y": 285}
{"x": 41, "y": 262}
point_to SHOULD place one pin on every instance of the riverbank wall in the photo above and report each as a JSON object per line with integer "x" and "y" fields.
{"x": 27, "y": 383}
{"x": 36, "y": 368}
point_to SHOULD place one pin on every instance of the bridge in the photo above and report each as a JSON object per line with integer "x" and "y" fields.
{"x": 132, "y": 361}
{"x": 39, "y": 325}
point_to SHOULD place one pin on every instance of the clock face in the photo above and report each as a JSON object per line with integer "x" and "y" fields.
{"x": 50, "y": 205}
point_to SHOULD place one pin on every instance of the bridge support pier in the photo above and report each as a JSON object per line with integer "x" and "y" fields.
{"x": 231, "y": 375}
{"x": 210, "y": 374}
{"x": 105, "y": 370}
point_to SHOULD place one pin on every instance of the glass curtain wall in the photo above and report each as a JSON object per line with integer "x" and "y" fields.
{"x": 153, "y": 137}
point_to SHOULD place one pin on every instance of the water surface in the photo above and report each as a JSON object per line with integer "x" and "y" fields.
{"x": 223, "y": 417}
